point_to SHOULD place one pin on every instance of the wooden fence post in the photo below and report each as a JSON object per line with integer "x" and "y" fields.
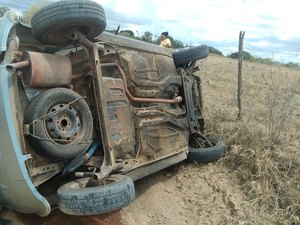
{"x": 240, "y": 64}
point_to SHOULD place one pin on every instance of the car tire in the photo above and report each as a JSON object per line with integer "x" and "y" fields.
{"x": 50, "y": 22}
{"x": 208, "y": 154}
{"x": 76, "y": 199}
{"x": 187, "y": 55}
{"x": 58, "y": 129}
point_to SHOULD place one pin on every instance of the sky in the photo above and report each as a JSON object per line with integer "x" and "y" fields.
{"x": 271, "y": 26}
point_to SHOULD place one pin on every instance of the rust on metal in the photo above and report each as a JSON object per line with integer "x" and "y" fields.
{"x": 93, "y": 53}
{"x": 175, "y": 100}
{"x": 46, "y": 70}
{"x": 121, "y": 132}
{"x": 18, "y": 65}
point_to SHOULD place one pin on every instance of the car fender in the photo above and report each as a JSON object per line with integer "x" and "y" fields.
{"x": 16, "y": 188}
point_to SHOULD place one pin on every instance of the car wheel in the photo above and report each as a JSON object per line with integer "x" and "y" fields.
{"x": 49, "y": 23}
{"x": 187, "y": 55}
{"x": 75, "y": 198}
{"x": 207, "y": 154}
{"x": 61, "y": 123}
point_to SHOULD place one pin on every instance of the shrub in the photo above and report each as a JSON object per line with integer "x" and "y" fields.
{"x": 215, "y": 51}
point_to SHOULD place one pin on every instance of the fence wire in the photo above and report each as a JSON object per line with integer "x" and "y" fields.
{"x": 276, "y": 56}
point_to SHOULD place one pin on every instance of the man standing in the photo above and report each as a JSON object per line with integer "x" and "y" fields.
{"x": 164, "y": 40}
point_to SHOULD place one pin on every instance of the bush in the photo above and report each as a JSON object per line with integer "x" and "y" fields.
{"x": 215, "y": 51}
{"x": 246, "y": 56}
{"x": 292, "y": 65}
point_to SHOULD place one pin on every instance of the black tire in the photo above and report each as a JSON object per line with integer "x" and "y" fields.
{"x": 76, "y": 199}
{"x": 187, "y": 55}
{"x": 59, "y": 130}
{"x": 209, "y": 154}
{"x": 49, "y": 23}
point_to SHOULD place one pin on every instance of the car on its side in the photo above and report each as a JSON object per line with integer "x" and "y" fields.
{"x": 84, "y": 112}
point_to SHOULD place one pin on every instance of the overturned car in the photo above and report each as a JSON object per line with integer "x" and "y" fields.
{"x": 84, "y": 112}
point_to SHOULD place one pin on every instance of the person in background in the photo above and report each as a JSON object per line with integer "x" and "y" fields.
{"x": 164, "y": 40}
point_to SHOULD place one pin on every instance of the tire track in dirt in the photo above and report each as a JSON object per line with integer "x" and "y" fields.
{"x": 187, "y": 194}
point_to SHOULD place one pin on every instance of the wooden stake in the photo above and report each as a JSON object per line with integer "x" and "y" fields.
{"x": 240, "y": 65}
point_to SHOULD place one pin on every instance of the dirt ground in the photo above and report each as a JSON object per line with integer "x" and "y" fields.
{"x": 183, "y": 194}
{"x": 187, "y": 194}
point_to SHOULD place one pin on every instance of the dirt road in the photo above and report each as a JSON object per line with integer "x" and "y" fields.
{"x": 183, "y": 194}
{"x": 187, "y": 194}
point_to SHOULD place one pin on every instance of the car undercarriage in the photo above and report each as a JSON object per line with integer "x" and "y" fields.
{"x": 91, "y": 113}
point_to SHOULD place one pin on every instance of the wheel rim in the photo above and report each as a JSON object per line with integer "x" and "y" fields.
{"x": 81, "y": 184}
{"x": 197, "y": 140}
{"x": 63, "y": 123}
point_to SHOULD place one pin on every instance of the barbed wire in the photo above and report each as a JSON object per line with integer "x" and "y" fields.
{"x": 281, "y": 57}
{"x": 272, "y": 52}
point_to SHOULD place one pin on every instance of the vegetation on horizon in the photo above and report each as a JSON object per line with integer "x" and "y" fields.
{"x": 248, "y": 57}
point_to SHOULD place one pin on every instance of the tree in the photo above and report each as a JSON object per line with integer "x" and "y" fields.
{"x": 129, "y": 32}
{"x": 292, "y": 65}
{"x": 147, "y": 37}
{"x": 215, "y": 51}
{"x": 177, "y": 43}
{"x": 246, "y": 56}
{"x": 3, "y": 9}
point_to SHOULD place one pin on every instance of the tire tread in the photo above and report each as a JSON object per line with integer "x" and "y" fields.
{"x": 184, "y": 56}
{"x": 209, "y": 154}
{"x": 63, "y": 14}
{"x": 95, "y": 200}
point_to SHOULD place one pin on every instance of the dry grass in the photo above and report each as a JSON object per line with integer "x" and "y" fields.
{"x": 263, "y": 147}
